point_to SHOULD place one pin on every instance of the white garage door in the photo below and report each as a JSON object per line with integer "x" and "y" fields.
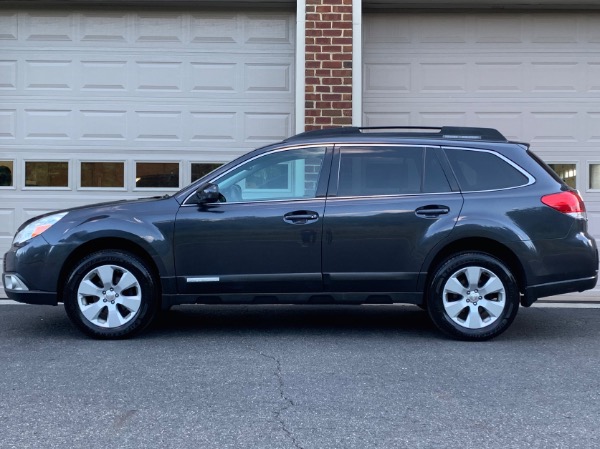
{"x": 533, "y": 76}
{"x": 97, "y": 106}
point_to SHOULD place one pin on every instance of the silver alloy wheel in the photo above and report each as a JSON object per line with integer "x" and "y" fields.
{"x": 109, "y": 296}
{"x": 474, "y": 297}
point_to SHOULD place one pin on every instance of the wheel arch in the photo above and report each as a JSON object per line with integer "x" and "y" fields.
{"x": 107, "y": 243}
{"x": 476, "y": 244}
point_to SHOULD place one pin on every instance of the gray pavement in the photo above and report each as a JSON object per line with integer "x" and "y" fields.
{"x": 300, "y": 377}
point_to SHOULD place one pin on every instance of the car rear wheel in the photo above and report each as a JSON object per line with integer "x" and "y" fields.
{"x": 111, "y": 294}
{"x": 473, "y": 296}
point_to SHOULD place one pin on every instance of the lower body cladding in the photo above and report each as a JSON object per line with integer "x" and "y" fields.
{"x": 296, "y": 298}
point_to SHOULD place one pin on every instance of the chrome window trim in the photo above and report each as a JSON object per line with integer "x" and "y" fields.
{"x": 400, "y": 195}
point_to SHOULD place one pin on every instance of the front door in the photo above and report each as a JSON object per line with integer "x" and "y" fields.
{"x": 264, "y": 236}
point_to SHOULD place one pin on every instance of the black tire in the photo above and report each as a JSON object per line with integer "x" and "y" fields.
{"x": 111, "y": 294}
{"x": 473, "y": 296}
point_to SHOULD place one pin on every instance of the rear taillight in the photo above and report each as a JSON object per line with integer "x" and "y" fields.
{"x": 569, "y": 203}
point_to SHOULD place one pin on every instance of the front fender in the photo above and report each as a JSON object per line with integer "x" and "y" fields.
{"x": 149, "y": 228}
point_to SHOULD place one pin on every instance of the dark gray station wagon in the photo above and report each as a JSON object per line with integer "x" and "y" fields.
{"x": 456, "y": 220}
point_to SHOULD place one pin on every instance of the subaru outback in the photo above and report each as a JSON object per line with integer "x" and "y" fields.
{"x": 459, "y": 221}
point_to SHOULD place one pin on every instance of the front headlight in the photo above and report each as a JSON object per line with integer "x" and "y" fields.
{"x": 37, "y": 227}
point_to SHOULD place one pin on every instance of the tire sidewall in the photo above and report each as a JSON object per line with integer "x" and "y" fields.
{"x": 449, "y": 267}
{"x": 149, "y": 303}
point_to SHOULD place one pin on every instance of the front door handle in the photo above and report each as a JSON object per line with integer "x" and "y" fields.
{"x": 432, "y": 211}
{"x": 301, "y": 217}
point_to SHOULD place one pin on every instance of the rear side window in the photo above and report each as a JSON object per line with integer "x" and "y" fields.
{"x": 482, "y": 170}
{"x": 367, "y": 171}
{"x": 394, "y": 170}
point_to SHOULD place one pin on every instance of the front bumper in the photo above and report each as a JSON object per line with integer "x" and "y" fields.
{"x": 17, "y": 290}
{"x": 30, "y": 274}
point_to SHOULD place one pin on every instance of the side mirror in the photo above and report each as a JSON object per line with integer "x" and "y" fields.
{"x": 208, "y": 194}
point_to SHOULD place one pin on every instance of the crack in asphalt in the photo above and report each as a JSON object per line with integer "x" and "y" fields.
{"x": 286, "y": 401}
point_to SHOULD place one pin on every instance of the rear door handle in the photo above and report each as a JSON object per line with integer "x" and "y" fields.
{"x": 432, "y": 211}
{"x": 301, "y": 217}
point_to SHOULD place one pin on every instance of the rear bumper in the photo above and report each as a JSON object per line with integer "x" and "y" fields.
{"x": 534, "y": 292}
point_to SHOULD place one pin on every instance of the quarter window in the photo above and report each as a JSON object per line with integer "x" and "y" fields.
{"x": 482, "y": 170}
{"x": 282, "y": 175}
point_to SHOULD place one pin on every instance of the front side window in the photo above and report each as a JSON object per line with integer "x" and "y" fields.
{"x": 367, "y": 171}
{"x": 483, "y": 170}
{"x": 281, "y": 175}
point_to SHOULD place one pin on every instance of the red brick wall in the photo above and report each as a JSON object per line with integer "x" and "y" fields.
{"x": 328, "y": 75}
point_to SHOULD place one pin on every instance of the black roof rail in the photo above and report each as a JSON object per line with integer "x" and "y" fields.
{"x": 443, "y": 132}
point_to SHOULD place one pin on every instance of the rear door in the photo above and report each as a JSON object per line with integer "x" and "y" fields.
{"x": 388, "y": 206}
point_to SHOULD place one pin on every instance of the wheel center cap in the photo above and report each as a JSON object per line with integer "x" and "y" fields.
{"x": 473, "y": 297}
{"x": 110, "y": 295}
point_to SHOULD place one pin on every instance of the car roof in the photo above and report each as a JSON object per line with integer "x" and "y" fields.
{"x": 455, "y": 135}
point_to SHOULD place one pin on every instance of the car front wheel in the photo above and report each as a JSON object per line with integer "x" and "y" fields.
{"x": 473, "y": 296}
{"x": 111, "y": 294}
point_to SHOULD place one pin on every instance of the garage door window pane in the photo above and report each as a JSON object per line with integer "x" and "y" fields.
{"x": 567, "y": 172}
{"x": 199, "y": 170}
{"x": 47, "y": 174}
{"x": 102, "y": 174}
{"x": 157, "y": 174}
{"x": 6, "y": 173}
{"x": 595, "y": 176}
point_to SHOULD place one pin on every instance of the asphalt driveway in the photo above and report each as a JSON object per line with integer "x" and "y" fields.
{"x": 300, "y": 377}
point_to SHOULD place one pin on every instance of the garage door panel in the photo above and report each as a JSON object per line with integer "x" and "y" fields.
{"x": 147, "y": 29}
{"x": 89, "y": 125}
{"x": 538, "y": 124}
{"x": 481, "y": 75}
{"x": 190, "y": 77}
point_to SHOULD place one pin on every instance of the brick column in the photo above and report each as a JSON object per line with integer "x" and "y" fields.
{"x": 328, "y": 77}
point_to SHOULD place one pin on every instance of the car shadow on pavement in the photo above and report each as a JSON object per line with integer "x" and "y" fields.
{"x": 294, "y": 320}
{"x": 398, "y": 321}
{"x": 405, "y": 321}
